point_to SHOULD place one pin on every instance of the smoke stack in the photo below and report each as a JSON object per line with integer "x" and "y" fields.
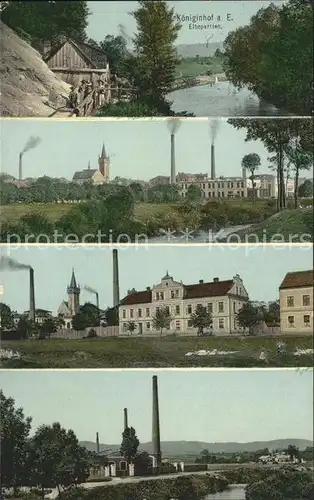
{"x": 173, "y": 161}
{"x": 212, "y": 162}
{"x": 126, "y": 424}
{"x": 97, "y": 300}
{"x": 31, "y": 295}
{"x": 97, "y": 443}
{"x": 244, "y": 173}
{"x": 20, "y": 167}
{"x": 116, "y": 298}
{"x": 155, "y": 426}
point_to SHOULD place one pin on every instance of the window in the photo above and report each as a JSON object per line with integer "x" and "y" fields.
{"x": 148, "y": 325}
{"x": 290, "y": 301}
{"x": 220, "y": 307}
{"x": 221, "y": 324}
{"x": 189, "y": 309}
{"x": 190, "y": 323}
{"x": 210, "y": 307}
{"x": 177, "y": 293}
{"x": 234, "y": 307}
{"x": 131, "y": 313}
{"x": 198, "y": 305}
{"x": 291, "y": 320}
{"x": 177, "y": 310}
{"x": 177, "y": 325}
{"x": 306, "y": 301}
{"x": 147, "y": 311}
{"x": 157, "y": 296}
{"x": 161, "y": 295}
{"x": 124, "y": 327}
{"x": 157, "y": 309}
{"x": 172, "y": 294}
{"x": 124, "y": 314}
{"x": 306, "y": 320}
{"x": 139, "y": 313}
{"x": 167, "y": 309}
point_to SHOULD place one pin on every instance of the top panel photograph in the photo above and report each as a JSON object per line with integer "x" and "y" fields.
{"x": 156, "y": 58}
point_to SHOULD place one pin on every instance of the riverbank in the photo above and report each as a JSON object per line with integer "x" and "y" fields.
{"x": 168, "y": 352}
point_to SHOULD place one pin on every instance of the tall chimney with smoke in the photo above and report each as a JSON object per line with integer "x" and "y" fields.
{"x": 31, "y": 295}
{"x": 126, "y": 424}
{"x": 97, "y": 443}
{"x": 155, "y": 424}
{"x": 212, "y": 162}
{"x": 173, "y": 161}
{"x": 116, "y": 297}
{"x": 97, "y": 300}
{"x": 20, "y": 166}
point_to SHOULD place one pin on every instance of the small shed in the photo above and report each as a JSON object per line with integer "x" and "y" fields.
{"x": 77, "y": 61}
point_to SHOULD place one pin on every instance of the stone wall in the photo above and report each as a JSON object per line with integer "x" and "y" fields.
{"x": 101, "y": 331}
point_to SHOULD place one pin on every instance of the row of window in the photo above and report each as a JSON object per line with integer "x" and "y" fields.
{"x": 174, "y": 294}
{"x": 177, "y": 309}
{"x": 148, "y": 326}
{"x": 306, "y": 300}
{"x": 306, "y": 320}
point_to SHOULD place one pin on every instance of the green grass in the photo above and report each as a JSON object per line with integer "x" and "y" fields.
{"x": 53, "y": 211}
{"x": 152, "y": 352}
{"x": 195, "y": 68}
{"x": 289, "y": 225}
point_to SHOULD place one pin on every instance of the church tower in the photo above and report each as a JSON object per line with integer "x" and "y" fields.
{"x": 104, "y": 164}
{"x": 74, "y": 295}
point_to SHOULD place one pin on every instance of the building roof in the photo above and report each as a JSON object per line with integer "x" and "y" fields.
{"x": 86, "y": 174}
{"x": 199, "y": 290}
{"x": 298, "y": 279}
{"x": 94, "y": 56}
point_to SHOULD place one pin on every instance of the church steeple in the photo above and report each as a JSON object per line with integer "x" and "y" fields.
{"x": 73, "y": 295}
{"x": 104, "y": 164}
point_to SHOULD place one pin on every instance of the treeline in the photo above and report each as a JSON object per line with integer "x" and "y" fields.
{"x": 273, "y": 56}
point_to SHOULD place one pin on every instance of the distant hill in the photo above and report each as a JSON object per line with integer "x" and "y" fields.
{"x": 201, "y": 49}
{"x": 180, "y": 448}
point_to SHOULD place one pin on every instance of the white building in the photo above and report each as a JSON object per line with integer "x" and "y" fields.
{"x": 222, "y": 298}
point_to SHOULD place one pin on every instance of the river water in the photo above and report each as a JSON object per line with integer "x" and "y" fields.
{"x": 221, "y": 99}
{"x": 197, "y": 237}
{"x": 235, "y": 492}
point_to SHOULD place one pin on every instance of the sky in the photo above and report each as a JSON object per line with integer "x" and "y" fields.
{"x": 208, "y": 406}
{"x": 139, "y": 149}
{"x": 106, "y": 17}
{"x": 262, "y": 269}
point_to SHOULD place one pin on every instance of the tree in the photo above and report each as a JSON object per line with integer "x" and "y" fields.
{"x": 46, "y": 20}
{"x": 272, "y": 56}
{"x": 25, "y": 328}
{"x": 272, "y": 314}
{"x": 201, "y": 319}
{"x": 283, "y": 484}
{"x": 251, "y": 162}
{"x": 248, "y": 317}
{"x": 91, "y": 313}
{"x": 112, "y": 316}
{"x": 50, "y": 325}
{"x": 79, "y": 322}
{"x": 6, "y": 317}
{"x": 157, "y": 30}
{"x": 56, "y": 458}
{"x": 14, "y": 432}
{"x": 300, "y": 160}
{"x": 293, "y": 452}
{"x": 116, "y": 49}
{"x": 194, "y": 193}
{"x": 161, "y": 320}
{"x": 129, "y": 444}
{"x": 131, "y": 326}
{"x": 142, "y": 462}
{"x": 306, "y": 189}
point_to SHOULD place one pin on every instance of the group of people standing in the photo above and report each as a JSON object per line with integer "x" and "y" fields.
{"x": 100, "y": 88}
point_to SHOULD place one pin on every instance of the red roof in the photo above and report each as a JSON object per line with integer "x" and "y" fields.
{"x": 299, "y": 279}
{"x": 212, "y": 289}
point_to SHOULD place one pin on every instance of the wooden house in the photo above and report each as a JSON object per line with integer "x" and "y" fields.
{"x": 77, "y": 61}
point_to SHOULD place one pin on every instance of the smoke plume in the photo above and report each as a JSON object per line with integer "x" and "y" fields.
{"x": 8, "y": 264}
{"x": 31, "y": 143}
{"x": 173, "y": 125}
{"x": 89, "y": 289}
{"x": 213, "y": 127}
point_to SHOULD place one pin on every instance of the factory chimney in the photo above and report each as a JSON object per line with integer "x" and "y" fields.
{"x": 116, "y": 298}
{"x": 212, "y": 162}
{"x": 155, "y": 424}
{"x": 97, "y": 300}
{"x": 97, "y": 443}
{"x": 31, "y": 295}
{"x": 126, "y": 424}
{"x": 20, "y": 166}
{"x": 173, "y": 161}
{"x": 243, "y": 173}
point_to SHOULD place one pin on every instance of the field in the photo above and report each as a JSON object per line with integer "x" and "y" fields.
{"x": 154, "y": 352}
{"x": 193, "y": 68}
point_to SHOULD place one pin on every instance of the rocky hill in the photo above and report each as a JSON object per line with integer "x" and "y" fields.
{"x": 28, "y": 86}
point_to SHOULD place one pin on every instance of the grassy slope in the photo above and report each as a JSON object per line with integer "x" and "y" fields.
{"x": 193, "y": 69}
{"x": 151, "y": 352}
{"x": 285, "y": 225}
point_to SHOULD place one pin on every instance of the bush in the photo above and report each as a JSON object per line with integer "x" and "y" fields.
{"x": 286, "y": 484}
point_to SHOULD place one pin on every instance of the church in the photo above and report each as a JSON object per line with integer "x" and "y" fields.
{"x": 70, "y": 308}
{"x": 95, "y": 176}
